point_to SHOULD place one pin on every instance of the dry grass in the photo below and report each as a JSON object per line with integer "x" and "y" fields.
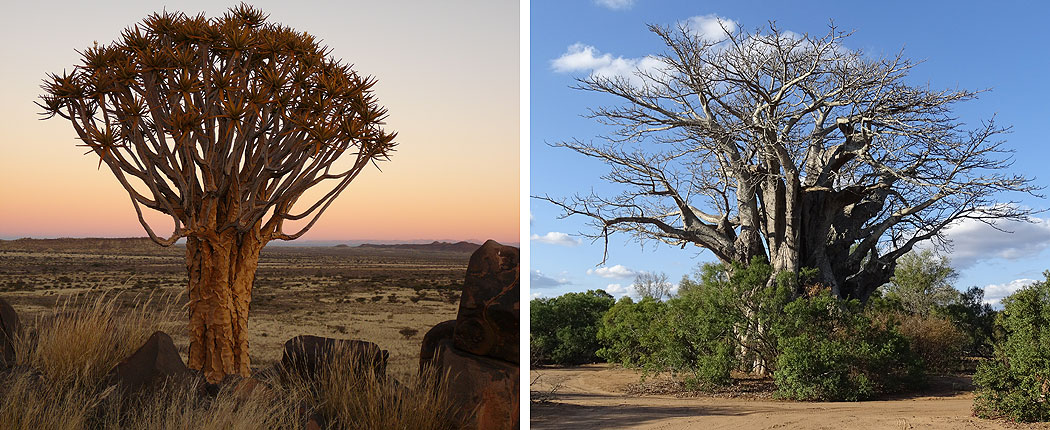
{"x": 181, "y": 407}
{"x": 362, "y": 400}
{"x": 30, "y": 402}
{"x": 63, "y": 358}
{"x": 937, "y": 341}
{"x": 85, "y": 338}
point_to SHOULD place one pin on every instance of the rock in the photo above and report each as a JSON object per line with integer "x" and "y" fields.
{"x": 314, "y": 422}
{"x": 9, "y": 328}
{"x": 154, "y": 362}
{"x": 478, "y": 351}
{"x": 441, "y": 331}
{"x": 249, "y": 386}
{"x": 485, "y": 385}
{"x": 490, "y": 309}
{"x": 307, "y": 355}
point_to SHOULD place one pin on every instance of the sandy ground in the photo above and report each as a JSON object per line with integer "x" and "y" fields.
{"x": 593, "y": 397}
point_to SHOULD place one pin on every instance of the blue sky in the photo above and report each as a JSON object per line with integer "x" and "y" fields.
{"x": 971, "y": 45}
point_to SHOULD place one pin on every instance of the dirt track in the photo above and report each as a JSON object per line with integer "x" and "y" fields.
{"x": 592, "y": 397}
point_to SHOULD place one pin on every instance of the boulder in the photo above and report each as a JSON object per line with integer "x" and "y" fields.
{"x": 490, "y": 309}
{"x": 155, "y": 362}
{"x": 485, "y": 386}
{"x": 441, "y": 331}
{"x": 9, "y": 328}
{"x": 307, "y": 355}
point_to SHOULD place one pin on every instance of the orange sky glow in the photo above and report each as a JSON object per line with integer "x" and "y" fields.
{"x": 447, "y": 73}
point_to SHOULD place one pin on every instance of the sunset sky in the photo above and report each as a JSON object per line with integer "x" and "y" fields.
{"x": 447, "y": 73}
{"x": 978, "y": 45}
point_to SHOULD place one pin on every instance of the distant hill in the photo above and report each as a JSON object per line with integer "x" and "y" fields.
{"x": 130, "y": 245}
{"x": 433, "y": 246}
{"x": 145, "y": 246}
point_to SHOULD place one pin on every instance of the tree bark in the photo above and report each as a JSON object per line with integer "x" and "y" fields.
{"x": 221, "y": 275}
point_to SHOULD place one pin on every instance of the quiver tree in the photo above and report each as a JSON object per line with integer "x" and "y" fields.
{"x": 222, "y": 124}
{"x": 793, "y": 149}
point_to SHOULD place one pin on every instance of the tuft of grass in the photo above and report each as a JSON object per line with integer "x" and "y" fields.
{"x": 348, "y": 399}
{"x": 182, "y": 407}
{"x": 86, "y": 338}
{"x": 28, "y": 401}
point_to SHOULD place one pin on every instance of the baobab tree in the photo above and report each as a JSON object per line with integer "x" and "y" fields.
{"x": 791, "y": 148}
{"x": 222, "y": 124}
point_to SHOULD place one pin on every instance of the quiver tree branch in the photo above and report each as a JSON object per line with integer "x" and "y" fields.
{"x": 222, "y": 124}
{"x": 794, "y": 149}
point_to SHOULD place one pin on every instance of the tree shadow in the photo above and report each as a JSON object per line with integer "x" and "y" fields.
{"x": 559, "y": 415}
{"x": 936, "y": 386}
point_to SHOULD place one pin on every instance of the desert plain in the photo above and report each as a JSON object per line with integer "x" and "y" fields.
{"x": 390, "y": 295}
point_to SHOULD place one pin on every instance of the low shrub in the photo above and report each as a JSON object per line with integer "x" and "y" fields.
{"x": 697, "y": 339}
{"x": 938, "y": 342}
{"x": 681, "y": 335}
{"x": 725, "y": 320}
{"x": 564, "y": 329}
{"x": 1015, "y": 383}
{"x": 735, "y": 318}
{"x": 830, "y": 350}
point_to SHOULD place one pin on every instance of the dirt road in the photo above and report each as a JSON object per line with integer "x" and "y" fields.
{"x": 592, "y": 397}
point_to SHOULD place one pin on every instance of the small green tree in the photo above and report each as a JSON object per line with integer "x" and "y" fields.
{"x": 975, "y": 318}
{"x": 923, "y": 282}
{"x": 564, "y": 329}
{"x": 1015, "y": 383}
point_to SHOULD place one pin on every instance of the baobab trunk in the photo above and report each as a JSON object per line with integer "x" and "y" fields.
{"x": 221, "y": 274}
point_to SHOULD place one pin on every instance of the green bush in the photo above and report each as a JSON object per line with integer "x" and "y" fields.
{"x": 564, "y": 329}
{"x": 818, "y": 348}
{"x": 830, "y": 350}
{"x": 628, "y": 335}
{"x": 697, "y": 339}
{"x": 695, "y": 333}
{"x": 725, "y": 319}
{"x": 1015, "y": 383}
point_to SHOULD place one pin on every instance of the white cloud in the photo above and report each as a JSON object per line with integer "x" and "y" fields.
{"x": 973, "y": 241}
{"x": 539, "y": 280}
{"x": 579, "y": 57}
{"x": 617, "y": 271}
{"x": 674, "y": 288}
{"x": 615, "y": 4}
{"x": 994, "y": 293}
{"x": 710, "y": 27}
{"x": 617, "y": 290}
{"x": 556, "y": 238}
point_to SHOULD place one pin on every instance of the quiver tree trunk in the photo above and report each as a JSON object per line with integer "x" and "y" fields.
{"x": 221, "y": 274}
